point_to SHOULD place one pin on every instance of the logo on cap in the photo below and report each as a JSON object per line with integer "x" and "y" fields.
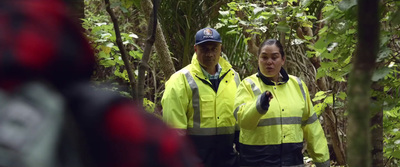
{"x": 208, "y": 32}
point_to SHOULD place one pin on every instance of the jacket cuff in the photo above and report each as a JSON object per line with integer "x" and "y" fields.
{"x": 262, "y": 104}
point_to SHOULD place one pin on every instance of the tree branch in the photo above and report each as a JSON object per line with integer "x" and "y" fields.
{"x": 121, "y": 47}
{"x": 151, "y": 33}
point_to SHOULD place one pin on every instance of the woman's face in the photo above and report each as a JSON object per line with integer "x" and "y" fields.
{"x": 270, "y": 61}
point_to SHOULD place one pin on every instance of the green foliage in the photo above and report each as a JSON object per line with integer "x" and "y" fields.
{"x": 148, "y": 105}
{"x": 100, "y": 30}
{"x": 333, "y": 40}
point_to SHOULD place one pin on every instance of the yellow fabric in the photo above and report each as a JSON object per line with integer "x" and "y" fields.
{"x": 287, "y": 104}
{"x": 216, "y": 108}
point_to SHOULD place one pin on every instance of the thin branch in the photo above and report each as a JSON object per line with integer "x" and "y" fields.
{"x": 121, "y": 47}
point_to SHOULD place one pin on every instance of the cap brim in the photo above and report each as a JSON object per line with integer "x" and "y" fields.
{"x": 208, "y": 40}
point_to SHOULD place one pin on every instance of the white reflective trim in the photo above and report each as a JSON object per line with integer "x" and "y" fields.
{"x": 280, "y": 121}
{"x": 236, "y": 111}
{"x": 197, "y": 130}
{"x": 310, "y": 120}
{"x": 195, "y": 98}
{"x": 255, "y": 89}
{"x": 301, "y": 88}
{"x": 237, "y": 79}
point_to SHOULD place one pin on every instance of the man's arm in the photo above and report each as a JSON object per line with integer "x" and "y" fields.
{"x": 175, "y": 102}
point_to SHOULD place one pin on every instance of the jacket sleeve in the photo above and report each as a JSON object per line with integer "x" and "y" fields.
{"x": 237, "y": 128}
{"x": 175, "y": 101}
{"x": 317, "y": 145}
{"x": 248, "y": 109}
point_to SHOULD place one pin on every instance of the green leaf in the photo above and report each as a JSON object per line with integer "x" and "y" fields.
{"x": 127, "y": 3}
{"x": 123, "y": 9}
{"x": 342, "y": 95}
{"x": 233, "y": 6}
{"x": 107, "y": 62}
{"x": 396, "y": 154}
{"x": 383, "y": 54}
{"x": 320, "y": 73}
{"x": 308, "y": 37}
{"x": 395, "y": 19}
{"x": 329, "y": 99}
{"x": 380, "y": 73}
{"x": 119, "y": 61}
{"x": 305, "y": 2}
{"x": 328, "y": 64}
{"x": 148, "y": 105}
{"x": 312, "y": 17}
{"x": 323, "y": 30}
{"x": 233, "y": 21}
{"x": 103, "y": 55}
{"x": 319, "y": 108}
{"x": 283, "y": 28}
{"x": 319, "y": 96}
{"x": 344, "y": 5}
{"x": 321, "y": 44}
{"x": 327, "y": 55}
{"x": 328, "y": 8}
{"x": 351, "y": 31}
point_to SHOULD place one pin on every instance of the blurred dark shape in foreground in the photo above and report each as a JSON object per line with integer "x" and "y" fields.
{"x": 51, "y": 116}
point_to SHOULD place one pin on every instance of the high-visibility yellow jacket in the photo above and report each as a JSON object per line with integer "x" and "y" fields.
{"x": 190, "y": 103}
{"x": 275, "y": 137}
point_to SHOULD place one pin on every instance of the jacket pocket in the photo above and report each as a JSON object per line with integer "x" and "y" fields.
{"x": 207, "y": 106}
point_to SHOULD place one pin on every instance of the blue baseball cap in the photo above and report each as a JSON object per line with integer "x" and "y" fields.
{"x": 206, "y": 35}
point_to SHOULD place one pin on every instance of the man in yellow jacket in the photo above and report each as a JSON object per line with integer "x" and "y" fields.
{"x": 198, "y": 101}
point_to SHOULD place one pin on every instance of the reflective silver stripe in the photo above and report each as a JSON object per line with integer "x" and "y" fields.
{"x": 196, "y": 130}
{"x": 211, "y": 131}
{"x": 287, "y": 121}
{"x": 195, "y": 98}
{"x": 279, "y": 121}
{"x": 310, "y": 120}
{"x": 237, "y": 79}
{"x": 301, "y": 87}
{"x": 254, "y": 87}
{"x": 322, "y": 164}
{"x": 236, "y": 111}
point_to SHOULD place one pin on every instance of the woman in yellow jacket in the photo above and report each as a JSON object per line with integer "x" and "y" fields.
{"x": 275, "y": 115}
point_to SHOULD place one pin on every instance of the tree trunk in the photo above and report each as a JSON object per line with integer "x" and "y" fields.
{"x": 358, "y": 148}
{"x": 377, "y": 129}
{"x": 160, "y": 44}
{"x": 337, "y": 144}
{"x": 151, "y": 31}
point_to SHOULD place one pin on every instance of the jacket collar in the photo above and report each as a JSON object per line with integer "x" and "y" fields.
{"x": 222, "y": 62}
{"x": 267, "y": 81}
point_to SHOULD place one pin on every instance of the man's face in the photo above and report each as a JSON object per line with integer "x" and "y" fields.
{"x": 208, "y": 53}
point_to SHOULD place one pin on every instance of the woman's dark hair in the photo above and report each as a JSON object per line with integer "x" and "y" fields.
{"x": 272, "y": 42}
